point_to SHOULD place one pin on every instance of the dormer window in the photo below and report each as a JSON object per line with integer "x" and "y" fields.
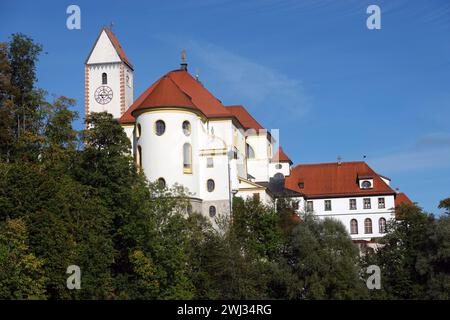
{"x": 366, "y": 184}
{"x": 365, "y": 181}
{"x": 301, "y": 185}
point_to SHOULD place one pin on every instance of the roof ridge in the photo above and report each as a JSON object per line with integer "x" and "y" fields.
{"x": 117, "y": 46}
{"x": 329, "y": 163}
{"x": 182, "y": 91}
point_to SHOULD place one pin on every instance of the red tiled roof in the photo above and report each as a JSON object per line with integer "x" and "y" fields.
{"x": 280, "y": 156}
{"x": 118, "y": 47}
{"x": 178, "y": 89}
{"x": 166, "y": 94}
{"x": 245, "y": 118}
{"x": 402, "y": 198}
{"x": 335, "y": 180}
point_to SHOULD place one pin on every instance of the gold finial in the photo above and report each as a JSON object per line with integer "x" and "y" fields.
{"x": 183, "y": 56}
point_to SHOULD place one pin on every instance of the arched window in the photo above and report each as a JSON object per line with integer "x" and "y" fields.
{"x": 210, "y": 185}
{"x": 187, "y": 158}
{"x": 353, "y": 226}
{"x": 104, "y": 78}
{"x": 278, "y": 176}
{"x": 138, "y": 130}
{"x": 162, "y": 182}
{"x": 368, "y": 226}
{"x": 278, "y": 166}
{"x": 382, "y": 225}
{"x": 212, "y": 211}
{"x": 160, "y": 127}
{"x": 250, "y": 151}
{"x": 139, "y": 157}
{"x": 186, "y": 128}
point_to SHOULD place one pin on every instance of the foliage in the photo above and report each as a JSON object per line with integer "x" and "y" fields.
{"x": 77, "y": 198}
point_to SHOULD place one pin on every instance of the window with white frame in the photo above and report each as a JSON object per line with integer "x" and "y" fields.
{"x": 327, "y": 205}
{"x": 367, "y": 204}
{"x": 368, "y": 226}
{"x": 309, "y": 206}
{"x": 381, "y": 203}
{"x": 353, "y": 226}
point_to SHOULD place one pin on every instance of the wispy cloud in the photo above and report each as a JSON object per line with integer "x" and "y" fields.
{"x": 429, "y": 152}
{"x": 243, "y": 81}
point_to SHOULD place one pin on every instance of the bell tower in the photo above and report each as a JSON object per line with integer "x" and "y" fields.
{"x": 108, "y": 77}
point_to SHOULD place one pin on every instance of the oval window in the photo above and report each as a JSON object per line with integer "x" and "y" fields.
{"x": 210, "y": 185}
{"x": 160, "y": 127}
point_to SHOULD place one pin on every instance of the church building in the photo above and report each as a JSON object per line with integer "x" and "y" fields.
{"x": 182, "y": 134}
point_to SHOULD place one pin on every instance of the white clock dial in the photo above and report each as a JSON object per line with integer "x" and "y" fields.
{"x": 103, "y": 94}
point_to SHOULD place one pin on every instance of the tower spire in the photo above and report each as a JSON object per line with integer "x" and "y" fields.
{"x": 183, "y": 64}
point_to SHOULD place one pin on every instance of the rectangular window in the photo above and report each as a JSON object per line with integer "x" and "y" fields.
{"x": 295, "y": 205}
{"x": 327, "y": 205}
{"x": 210, "y": 162}
{"x": 367, "y": 204}
{"x": 309, "y": 206}
{"x": 381, "y": 204}
{"x": 352, "y": 204}
{"x": 256, "y": 196}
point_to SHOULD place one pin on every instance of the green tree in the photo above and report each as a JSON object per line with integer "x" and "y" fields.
{"x": 324, "y": 261}
{"x": 22, "y": 103}
{"x": 445, "y": 204}
{"x": 21, "y": 275}
{"x": 415, "y": 257}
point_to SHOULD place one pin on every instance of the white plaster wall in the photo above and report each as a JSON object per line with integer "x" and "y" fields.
{"x": 259, "y": 166}
{"x": 162, "y": 156}
{"x": 104, "y": 51}
{"x": 129, "y": 131}
{"x": 340, "y": 210}
{"x": 95, "y": 81}
{"x": 285, "y": 169}
{"x": 264, "y": 197}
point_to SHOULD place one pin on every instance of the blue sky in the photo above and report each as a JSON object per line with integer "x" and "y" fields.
{"x": 310, "y": 68}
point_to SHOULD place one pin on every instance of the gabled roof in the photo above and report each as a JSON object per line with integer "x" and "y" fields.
{"x": 244, "y": 117}
{"x": 280, "y": 156}
{"x": 335, "y": 180}
{"x": 116, "y": 44}
{"x": 178, "y": 89}
{"x": 402, "y": 198}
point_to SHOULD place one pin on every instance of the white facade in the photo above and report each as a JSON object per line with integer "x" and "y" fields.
{"x": 239, "y": 162}
{"x": 342, "y": 210}
{"x": 108, "y": 79}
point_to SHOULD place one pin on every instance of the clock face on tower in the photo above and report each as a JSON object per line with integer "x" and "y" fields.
{"x": 103, "y": 94}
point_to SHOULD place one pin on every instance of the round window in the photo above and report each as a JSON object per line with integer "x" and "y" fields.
{"x": 186, "y": 128}
{"x": 160, "y": 127}
{"x": 212, "y": 211}
{"x": 210, "y": 185}
{"x": 278, "y": 166}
